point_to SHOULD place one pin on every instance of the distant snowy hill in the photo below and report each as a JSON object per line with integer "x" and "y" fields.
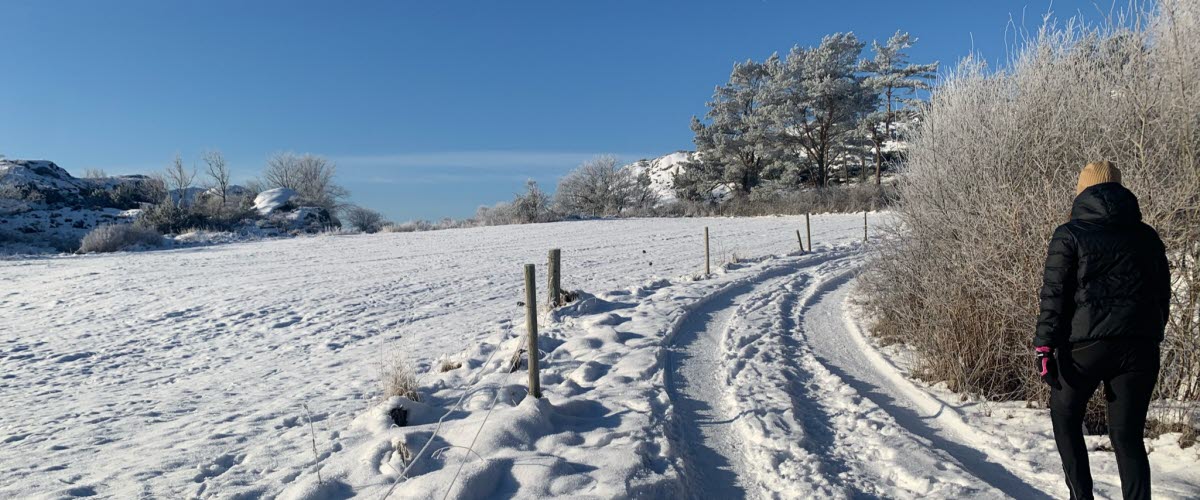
{"x": 662, "y": 171}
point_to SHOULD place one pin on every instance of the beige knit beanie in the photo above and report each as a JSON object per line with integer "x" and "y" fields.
{"x": 1097, "y": 172}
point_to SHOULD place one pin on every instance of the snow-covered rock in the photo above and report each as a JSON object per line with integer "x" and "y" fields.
{"x": 662, "y": 172}
{"x": 273, "y": 199}
{"x": 42, "y": 206}
{"x": 55, "y": 186}
{"x": 233, "y": 191}
{"x": 281, "y": 215}
{"x": 39, "y": 174}
{"x": 306, "y": 219}
{"x": 194, "y": 195}
{"x": 186, "y": 197}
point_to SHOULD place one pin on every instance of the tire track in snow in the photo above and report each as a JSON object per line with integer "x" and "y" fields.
{"x": 692, "y": 380}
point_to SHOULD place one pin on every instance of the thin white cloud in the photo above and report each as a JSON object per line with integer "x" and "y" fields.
{"x": 444, "y": 178}
{"x": 478, "y": 159}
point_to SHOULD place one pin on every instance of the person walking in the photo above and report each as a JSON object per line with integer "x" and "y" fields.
{"x": 1105, "y": 300}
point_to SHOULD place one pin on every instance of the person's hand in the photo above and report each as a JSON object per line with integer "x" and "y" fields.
{"x": 1046, "y": 367}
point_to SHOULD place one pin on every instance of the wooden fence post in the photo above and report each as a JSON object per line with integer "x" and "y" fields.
{"x": 864, "y": 227}
{"x": 535, "y": 384}
{"x": 808, "y": 231}
{"x": 800, "y": 241}
{"x": 707, "y": 265}
{"x": 555, "y": 278}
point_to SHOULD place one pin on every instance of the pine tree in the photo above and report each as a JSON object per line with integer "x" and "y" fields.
{"x": 896, "y": 82}
{"x": 816, "y": 101}
{"x": 735, "y": 145}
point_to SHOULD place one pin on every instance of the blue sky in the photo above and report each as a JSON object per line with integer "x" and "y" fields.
{"x": 429, "y": 108}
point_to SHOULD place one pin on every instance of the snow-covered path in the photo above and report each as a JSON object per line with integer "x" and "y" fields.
{"x": 759, "y": 416}
{"x": 844, "y": 354}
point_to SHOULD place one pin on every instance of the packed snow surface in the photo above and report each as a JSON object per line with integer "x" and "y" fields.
{"x": 252, "y": 370}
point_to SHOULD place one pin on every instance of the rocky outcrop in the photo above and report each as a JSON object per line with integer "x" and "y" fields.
{"x": 45, "y": 183}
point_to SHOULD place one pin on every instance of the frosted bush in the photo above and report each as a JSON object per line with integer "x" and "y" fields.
{"x": 991, "y": 172}
{"x": 117, "y": 237}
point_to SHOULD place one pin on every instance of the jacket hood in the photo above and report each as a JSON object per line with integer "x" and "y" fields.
{"x": 1107, "y": 202}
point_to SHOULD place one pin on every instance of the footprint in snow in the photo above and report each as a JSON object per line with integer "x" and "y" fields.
{"x": 65, "y": 358}
{"x": 218, "y": 466}
{"x": 81, "y": 491}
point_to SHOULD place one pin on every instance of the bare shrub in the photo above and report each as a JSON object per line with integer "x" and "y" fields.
{"x": 178, "y": 180}
{"x": 17, "y": 199}
{"x": 397, "y": 379}
{"x": 990, "y": 174}
{"x": 452, "y": 223}
{"x": 496, "y": 215}
{"x": 128, "y": 195}
{"x": 393, "y": 227}
{"x": 406, "y": 227}
{"x": 219, "y": 177}
{"x": 94, "y": 173}
{"x": 1188, "y": 433}
{"x": 170, "y": 218}
{"x": 363, "y": 219}
{"x": 117, "y": 237}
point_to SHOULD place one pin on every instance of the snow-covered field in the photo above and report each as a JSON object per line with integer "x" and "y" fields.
{"x": 196, "y": 373}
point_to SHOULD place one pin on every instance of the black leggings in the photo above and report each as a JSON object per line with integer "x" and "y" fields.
{"x": 1129, "y": 370}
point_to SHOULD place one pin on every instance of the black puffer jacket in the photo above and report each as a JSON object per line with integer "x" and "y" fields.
{"x": 1106, "y": 273}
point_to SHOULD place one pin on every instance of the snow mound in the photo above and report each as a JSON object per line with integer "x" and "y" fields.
{"x": 273, "y": 199}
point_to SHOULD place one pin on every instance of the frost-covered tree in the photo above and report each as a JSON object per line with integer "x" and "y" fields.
{"x": 735, "y": 145}
{"x": 310, "y": 176}
{"x": 816, "y": 101}
{"x": 531, "y": 206}
{"x": 896, "y": 83}
{"x": 600, "y": 186}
